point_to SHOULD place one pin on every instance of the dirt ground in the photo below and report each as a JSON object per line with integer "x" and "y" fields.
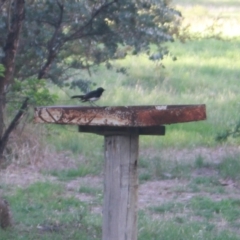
{"x": 153, "y": 192}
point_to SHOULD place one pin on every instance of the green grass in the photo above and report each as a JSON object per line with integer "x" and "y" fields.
{"x": 200, "y": 215}
{"x": 42, "y": 211}
{"x": 90, "y": 190}
{"x": 169, "y": 168}
{"x": 211, "y": 181}
{"x": 167, "y": 207}
{"x": 208, "y": 184}
{"x": 230, "y": 167}
{"x": 206, "y": 72}
{"x": 67, "y": 138}
{"x": 199, "y": 162}
{"x": 162, "y": 168}
{"x": 69, "y": 174}
{"x": 179, "y": 229}
{"x": 228, "y": 209}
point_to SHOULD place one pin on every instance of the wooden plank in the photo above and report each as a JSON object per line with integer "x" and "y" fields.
{"x": 129, "y": 116}
{"x": 120, "y": 187}
{"x": 109, "y": 130}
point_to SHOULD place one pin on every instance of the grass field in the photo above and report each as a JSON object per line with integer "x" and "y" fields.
{"x": 206, "y": 72}
{"x": 189, "y": 183}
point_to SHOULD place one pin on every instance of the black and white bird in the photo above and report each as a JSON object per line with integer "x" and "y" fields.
{"x": 90, "y": 96}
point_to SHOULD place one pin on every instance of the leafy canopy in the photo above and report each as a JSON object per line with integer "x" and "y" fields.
{"x": 59, "y": 35}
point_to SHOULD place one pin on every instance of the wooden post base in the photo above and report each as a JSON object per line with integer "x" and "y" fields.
{"x": 121, "y": 126}
{"x": 120, "y": 187}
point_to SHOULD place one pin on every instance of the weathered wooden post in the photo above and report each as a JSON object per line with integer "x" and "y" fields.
{"x": 121, "y": 127}
{"x": 120, "y": 187}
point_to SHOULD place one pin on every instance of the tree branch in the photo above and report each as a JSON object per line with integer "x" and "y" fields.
{"x": 53, "y": 45}
{"x": 12, "y": 126}
{"x": 78, "y": 33}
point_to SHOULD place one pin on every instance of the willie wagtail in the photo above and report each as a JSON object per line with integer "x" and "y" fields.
{"x": 90, "y": 96}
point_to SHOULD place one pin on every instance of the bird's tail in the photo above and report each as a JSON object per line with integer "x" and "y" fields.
{"x": 78, "y": 96}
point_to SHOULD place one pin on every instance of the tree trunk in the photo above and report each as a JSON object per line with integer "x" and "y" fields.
{"x": 5, "y": 214}
{"x": 11, "y": 127}
{"x": 10, "y": 50}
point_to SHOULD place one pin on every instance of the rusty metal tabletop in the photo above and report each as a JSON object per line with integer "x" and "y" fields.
{"x": 120, "y": 116}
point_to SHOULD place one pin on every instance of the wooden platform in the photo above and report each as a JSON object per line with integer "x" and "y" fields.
{"x": 121, "y": 127}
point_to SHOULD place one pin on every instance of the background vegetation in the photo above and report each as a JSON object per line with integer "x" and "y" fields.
{"x": 196, "y": 178}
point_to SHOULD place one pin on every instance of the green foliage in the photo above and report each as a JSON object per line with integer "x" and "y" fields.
{"x": 36, "y": 89}
{"x": 1, "y": 70}
{"x": 82, "y": 84}
{"x": 234, "y": 132}
{"x": 75, "y": 35}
